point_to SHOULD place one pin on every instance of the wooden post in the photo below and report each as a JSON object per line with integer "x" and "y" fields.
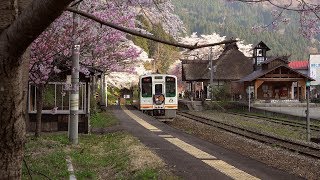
{"x": 256, "y": 90}
{"x": 303, "y": 89}
{"x": 257, "y": 84}
{"x": 298, "y": 91}
{"x": 249, "y": 102}
{"x": 292, "y": 91}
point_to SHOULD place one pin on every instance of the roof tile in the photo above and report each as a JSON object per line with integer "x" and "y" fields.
{"x": 299, "y": 64}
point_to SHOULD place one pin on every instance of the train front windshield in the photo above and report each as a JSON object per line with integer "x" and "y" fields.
{"x": 146, "y": 87}
{"x": 170, "y": 86}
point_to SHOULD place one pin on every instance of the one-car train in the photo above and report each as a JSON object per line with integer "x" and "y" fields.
{"x": 157, "y": 96}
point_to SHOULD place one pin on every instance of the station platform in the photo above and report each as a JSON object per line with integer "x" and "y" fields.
{"x": 314, "y": 112}
{"x": 190, "y": 157}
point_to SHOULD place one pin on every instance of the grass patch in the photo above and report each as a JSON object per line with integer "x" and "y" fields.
{"x": 103, "y": 119}
{"x": 97, "y": 155}
{"x": 146, "y": 174}
{"x": 111, "y": 156}
{"x": 46, "y": 156}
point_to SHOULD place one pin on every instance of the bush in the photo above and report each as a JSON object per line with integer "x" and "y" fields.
{"x": 315, "y": 100}
{"x": 220, "y": 93}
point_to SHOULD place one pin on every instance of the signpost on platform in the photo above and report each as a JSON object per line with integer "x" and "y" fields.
{"x": 307, "y": 111}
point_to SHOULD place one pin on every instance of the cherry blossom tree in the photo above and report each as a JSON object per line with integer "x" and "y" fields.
{"x": 108, "y": 48}
{"x": 15, "y": 37}
{"x": 20, "y": 30}
{"x": 203, "y": 53}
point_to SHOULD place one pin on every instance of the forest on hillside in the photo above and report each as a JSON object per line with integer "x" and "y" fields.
{"x": 237, "y": 19}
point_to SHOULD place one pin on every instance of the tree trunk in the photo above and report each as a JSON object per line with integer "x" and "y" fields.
{"x": 40, "y": 89}
{"x": 25, "y": 82}
{"x": 12, "y": 123}
{"x": 102, "y": 92}
{"x": 17, "y": 31}
{"x": 93, "y": 99}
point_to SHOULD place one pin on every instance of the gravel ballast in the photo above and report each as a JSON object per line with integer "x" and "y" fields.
{"x": 290, "y": 162}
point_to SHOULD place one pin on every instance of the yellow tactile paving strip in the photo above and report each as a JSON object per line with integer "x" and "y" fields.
{"x": 190, "y": 149}
{"x": 229, "y": 170}
{"x": 210, "y": 160}
{"x": 140, "y": 121}
{"x": 166, "y": 136}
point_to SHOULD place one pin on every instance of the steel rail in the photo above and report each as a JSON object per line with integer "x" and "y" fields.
{"x": 276, "y": 120}
{"x": 300, "y": 148}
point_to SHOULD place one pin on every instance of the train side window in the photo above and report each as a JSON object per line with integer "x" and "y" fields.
{"x": 170, "y": 87}
{"x": 146, "y": 86}
{"x": 158, "y": 89}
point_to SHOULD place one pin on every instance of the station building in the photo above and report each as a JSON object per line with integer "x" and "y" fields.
{"x": 273, "y": 79}
{"x": 260, "y": 78}
{"x": 226, "y": 70}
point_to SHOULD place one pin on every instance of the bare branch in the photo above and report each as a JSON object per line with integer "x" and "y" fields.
{"x": 75, "y": 3}
{"x": 136, "y": 33}
{"x": 285, "y": 7}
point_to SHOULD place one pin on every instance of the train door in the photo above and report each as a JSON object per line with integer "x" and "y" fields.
{"x": 158, "y": 98}
{"x": 158, "y": 89}
{"x": 146, "y": 94}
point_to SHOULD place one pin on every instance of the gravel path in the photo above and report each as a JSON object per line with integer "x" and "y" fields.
{"x": 288, "y": 161}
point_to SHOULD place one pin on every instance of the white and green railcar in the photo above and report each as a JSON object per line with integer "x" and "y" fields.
{"x": 157, "y": 95}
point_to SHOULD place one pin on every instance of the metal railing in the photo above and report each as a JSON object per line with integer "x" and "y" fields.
{"x": 56, "y": 98}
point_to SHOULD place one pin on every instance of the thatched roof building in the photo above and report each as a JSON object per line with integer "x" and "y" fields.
{"x": 231, "y": 65}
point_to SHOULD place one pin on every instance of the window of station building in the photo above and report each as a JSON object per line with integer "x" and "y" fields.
{"x": 170, "y": 87}
{"x": 158, "y": 89}
{"x": 146, "y": 87}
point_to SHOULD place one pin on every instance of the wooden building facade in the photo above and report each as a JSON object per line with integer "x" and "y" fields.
{"x": 272, "y": 78}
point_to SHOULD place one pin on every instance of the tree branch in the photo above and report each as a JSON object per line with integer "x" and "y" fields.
{"x": 285, "y": 7}
{"x": 27, "y": 27}
{"x": 136, "y": 33}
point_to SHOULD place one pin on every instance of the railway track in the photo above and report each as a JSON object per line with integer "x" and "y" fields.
{"x": 304, "y": 149}
{"x": 278, "y": 121}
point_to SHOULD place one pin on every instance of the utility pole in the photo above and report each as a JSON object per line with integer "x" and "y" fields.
{"x": 74, "y": 96}
{"x": 249, "y": 97}
{"x": 211, "y": 74}
{"x": 307, "y": 113}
